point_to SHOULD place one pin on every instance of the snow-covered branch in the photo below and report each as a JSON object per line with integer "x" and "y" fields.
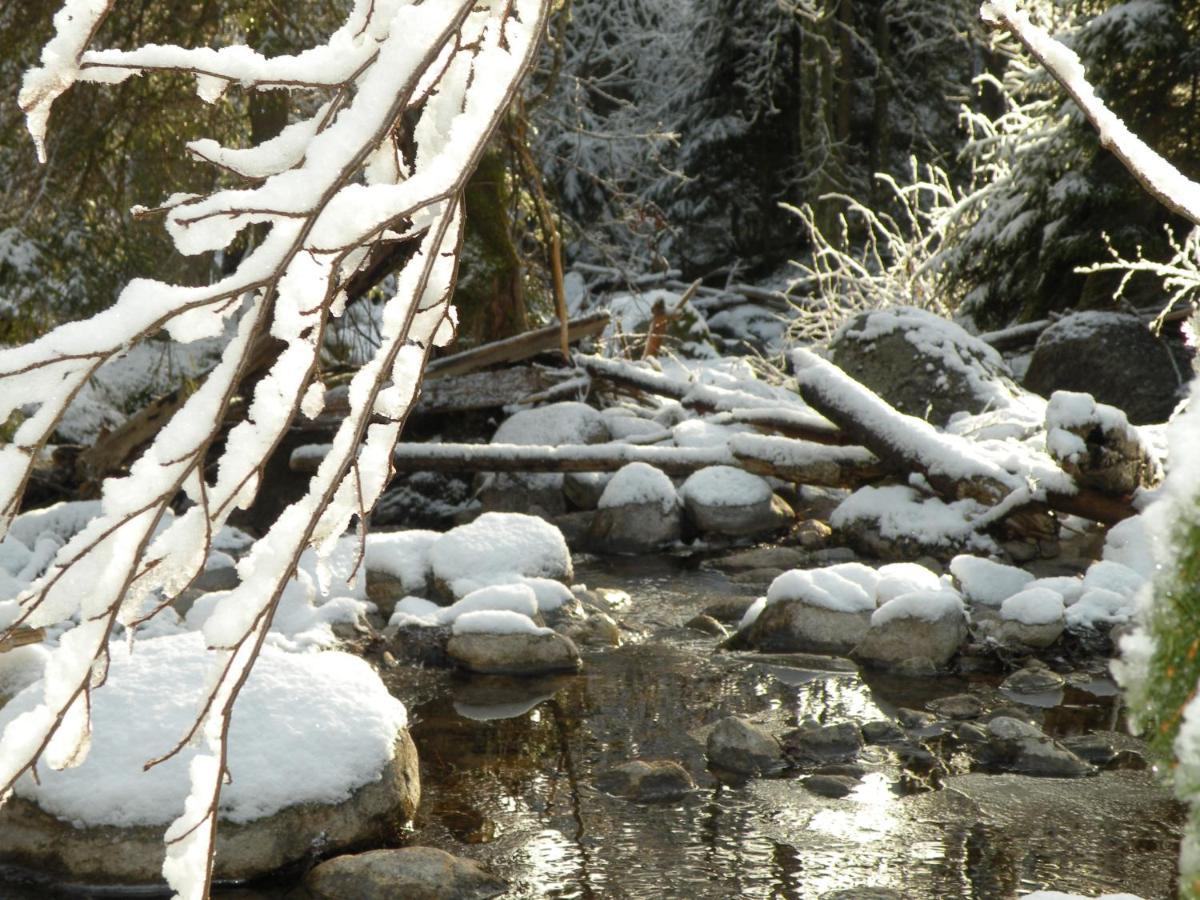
{"x": 330, "y": 187}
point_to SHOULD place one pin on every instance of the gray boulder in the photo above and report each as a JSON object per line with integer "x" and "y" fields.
{"x": 638, "y": 511}
{"x": 743, "y": 747}
{"x": 520, "y": 653}
{"x": 413, "y": 873}
{"x": 728, "y": 501}
{"x": 921, "y": 626}
{"x": 1112, "y": 356}
{"x": 647, "y": 781}
{"x": 1023, "y": 748}
{"x": 922, "y": 364}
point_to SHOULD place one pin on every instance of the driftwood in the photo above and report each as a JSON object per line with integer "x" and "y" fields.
{"x": 779, "y": 457}
{"x": 950, "y": 464}
{"x": 743, "y": 408}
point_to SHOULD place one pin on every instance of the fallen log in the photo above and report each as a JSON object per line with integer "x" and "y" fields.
{"x": 808, "y": 463}
{"x": 518, "y": 348}
{"x": 953, "y": 466}
{"x": 801, "y": 424}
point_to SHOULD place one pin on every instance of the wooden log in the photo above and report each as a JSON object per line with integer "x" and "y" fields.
{"x": 808, "y": 464}
{"x": 954, "y": 466}
{"x": 741, "y": 407}
{"x": 20, "y": 637}
{"x": 518, "y": 348}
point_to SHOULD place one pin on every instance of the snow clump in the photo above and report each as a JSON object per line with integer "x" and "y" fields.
{"x": 499, "y": 548}
{"x": 639, "y": 483}
{"x": 987, "y": 582}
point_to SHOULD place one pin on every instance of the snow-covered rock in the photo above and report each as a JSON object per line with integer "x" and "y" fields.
{"x": 922, "y": 364}
{"x": 639, "y": 510}
{"x": 728, "y": 501}
{"x": 1032, "y": 618}
{"x": 319, "y": 753}
{"x": 555, "y": 424}
{"x": 1095, "y": 444}
{"x": 584, "y": 489}
{"x": 899, "y": 522}
{"x": 817, "y": 611}
{"x": 986, "y": 582}
{"x": 397, "y": 564}
{"x": 922, "y": 626}
{"x": 498, "y": 548}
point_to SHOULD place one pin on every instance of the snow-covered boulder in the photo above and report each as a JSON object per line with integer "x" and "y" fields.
{"x": 508, "y": 643}
{"x": 1032, "y": 618}
{"x": 421, "y": 873}
{"x": 498, "y": 548}
{"x": 985, "y": 582}
{"x": 638, "y": 511}
{"x": 728, "y": 501}
{"x": 318, "y": 750}
{"x": 1112, "y": 356}
{"x": 899, "y": 522}
{"x": 922, "y": 364}
{"x": 1095, "y": 444}
{"x": 922, "y": 627}
{"x": 396, "y": 565}
{"x": 817, "y": 611}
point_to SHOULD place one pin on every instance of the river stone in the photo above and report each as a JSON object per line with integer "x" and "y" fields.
{"x": 412, "y": 873}
{"x": 959, "y": 706}
{"x": 597, "y": 630}
{"x": 1093, "y": 748}
{"x": 647, "y": 781}
{"x": 922, "y": 364}
{"x": 823, "y": 743}
{"x": 1023, "y": 748}
{"x": 743, "y": 747}
{"x": 788, "y": 626}
{"x": 708, "y": 625}
{"x": 729, "y": 609}
{"x": 783, "y": 558}
{"x": 638, "y": 511}
{"x": 1033, "y": 680}
{"x": 1112, "y": 356}
{"x": 514, "y": 654}
{"x": 833, "y": 786}
{"x": 881, "y": 731}
{"x": 134, "y": 855}
{"x": 732, "y": 502}
{"x": 932, "y": 635}
{"x": 584, "y": 489}
{"x": 863, "y": 893}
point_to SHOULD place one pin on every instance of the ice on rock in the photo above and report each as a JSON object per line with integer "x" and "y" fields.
{"x": 499, "y": 548}
{"x": 1033, "y": 606}
{"x": 310, "y": 728}
{"x": 986, "y": 581}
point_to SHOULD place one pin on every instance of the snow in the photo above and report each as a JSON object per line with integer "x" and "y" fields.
{"x": 820, "y": 587}
{"x": 1033, "y": 606}
{"x": 899, "y": 511}
{"x": 550, "y": 594}
{"x": 1068, "y": 587}
{"x": 929, "y": 606}
{"x": 1099, "y": 607}
{"x": 862, "y": 575}
{"x": 415, "y": 611}
{"x": 725, "y": 486}
{"x": 750, "y": 616}
{"x": 497, "y": 622}
{"x": 404, "y": 555}
{"x": 553, "y": 425}
{"x": 704, "y": 433}
{"x": 897, "y": 579}
{"x": 1131, "y": 543}
{"x": 1113, "y": 576}
{"x": 988, "y": 582}
{"x": 640, "y": 483}
{"x": 498, "y": 548}
{"x": 310, "y": 728}
{"x": 517, "y": 598}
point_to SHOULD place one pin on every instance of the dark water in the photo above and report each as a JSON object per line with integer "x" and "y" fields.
{"x": 508, "y": 768}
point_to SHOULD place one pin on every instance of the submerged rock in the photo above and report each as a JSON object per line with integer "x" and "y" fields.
{"x": 1033, "y": 680}
{"x": 413, "y": 873}
{"x": 743, "y": 747}
{"x": 647, "y": 781}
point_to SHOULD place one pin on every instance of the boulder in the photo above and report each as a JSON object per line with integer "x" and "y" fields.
{"x": 515, "y": 653}
{"x": 584, "y": 489}
{"x": 1095, "y": 445}
{"x": 1033, "y": 618}
{"x": 743, "y": 747}
{"x": 638, "y": 511}
{"x": 823, "y": 743}
{"x": 727, "y": 501}
{"x": 498, "y": 548}
{"x": 647, "y": 781}
{"x": 1112, "y": 356}
{"x": 319, "y": 757}
{"x": 1020, "y": 747}
{"x": 414, "y": 873}
{"x": 533, "y": 493}
{"x": 922, "y": 364}
{"x": 923, "y": 625}
{"x": 817, "y": 611}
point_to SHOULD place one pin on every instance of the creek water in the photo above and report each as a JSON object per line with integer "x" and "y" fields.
{"x": 508, "y": 769}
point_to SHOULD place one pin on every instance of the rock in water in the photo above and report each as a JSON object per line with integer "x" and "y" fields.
{"x": 811, "y": 611}
{"x": 1112, "y": 356}
{"x": 411, "y": 873}
{"x": 319, "y": 754}
{"x": 922, "y": 364}
{"x": 647, "y": 781}
{"x": 728, "y": 501}
{"x": 743, "y": 747}
{"x": 514, "y": 654}
{"x": 638, "y": 511}
{"x": 923, "y": 625}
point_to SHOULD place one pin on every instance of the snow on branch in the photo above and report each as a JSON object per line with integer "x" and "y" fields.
{"x": 1161, "y": 179}
{"x": 330, "y": 188}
